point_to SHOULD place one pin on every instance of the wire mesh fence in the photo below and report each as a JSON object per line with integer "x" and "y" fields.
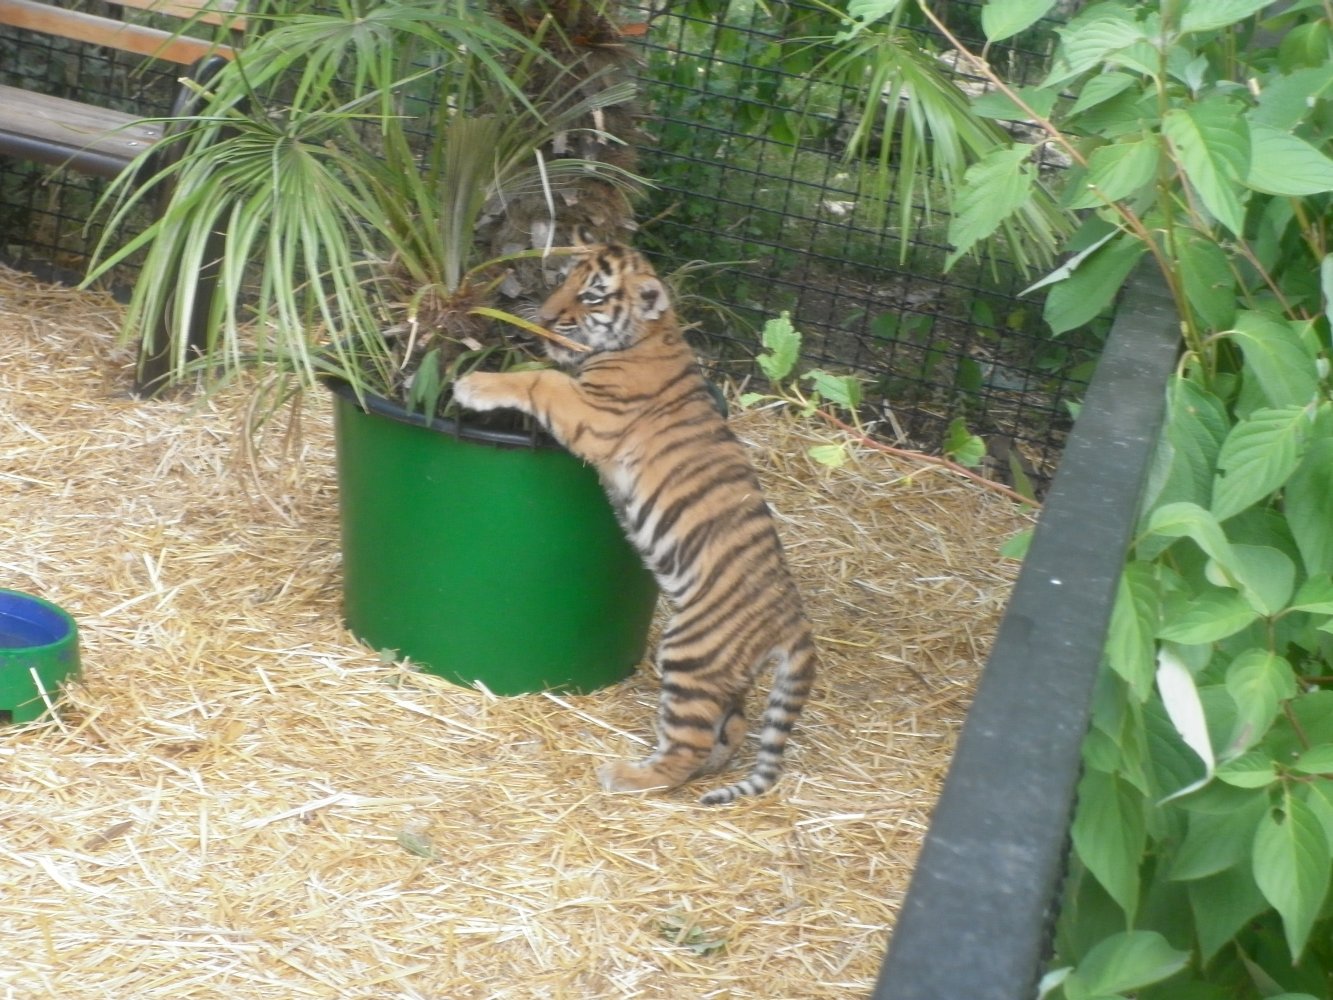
{"x": 47, "y": 222}
{"x": 752, "y": 175}
{"x": 755, "y": 165}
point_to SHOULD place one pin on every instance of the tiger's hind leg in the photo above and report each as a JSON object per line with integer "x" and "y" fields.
{"x": 699, "y": 730}
{"x": 728, "y": 738}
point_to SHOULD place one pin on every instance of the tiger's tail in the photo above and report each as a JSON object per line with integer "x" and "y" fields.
{"x": 792, "y": 681}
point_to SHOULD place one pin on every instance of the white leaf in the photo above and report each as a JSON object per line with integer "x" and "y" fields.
{"x": 1180, "y": 698}
{"x": 1071, "y": 265}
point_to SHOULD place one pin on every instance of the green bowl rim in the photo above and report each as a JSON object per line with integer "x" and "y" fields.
{"x": 72, "y": 632}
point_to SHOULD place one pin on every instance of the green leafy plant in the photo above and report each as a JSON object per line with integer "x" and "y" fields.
{"x": 962, "y": 445}
{"x": 1203, "y": 841}
{"x": 779, "y": 361}
{"x": 682, "y": 930}
{"x": 374, "y": 185}
{"x": 941, "y": 151}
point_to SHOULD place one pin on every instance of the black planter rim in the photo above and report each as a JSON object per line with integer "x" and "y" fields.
{"x": 460, "y": 430}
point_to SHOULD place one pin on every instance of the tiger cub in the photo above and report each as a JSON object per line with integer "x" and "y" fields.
{"x": 637, "y": 408}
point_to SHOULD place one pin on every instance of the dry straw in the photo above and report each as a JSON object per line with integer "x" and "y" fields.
{"x": 239, "y": 801}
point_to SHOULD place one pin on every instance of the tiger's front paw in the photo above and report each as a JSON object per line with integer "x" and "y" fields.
{"x": 477, "y": 391}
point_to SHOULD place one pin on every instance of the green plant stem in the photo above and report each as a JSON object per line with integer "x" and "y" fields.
{"x": 1189, "y": 330}
{"x": 1295, "y": 724}
{"x": 1312, "y": 235}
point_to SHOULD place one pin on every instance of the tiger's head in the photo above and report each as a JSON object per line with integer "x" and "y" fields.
{"x": 610, "y": 294}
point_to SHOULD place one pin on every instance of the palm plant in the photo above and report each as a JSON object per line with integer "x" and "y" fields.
{"x": 917, "y": 140}
{"x": 350, "y": 185}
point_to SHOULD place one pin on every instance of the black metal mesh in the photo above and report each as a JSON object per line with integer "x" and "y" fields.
{"x": 733, "y": 184}
{"x": 45, "y": 214}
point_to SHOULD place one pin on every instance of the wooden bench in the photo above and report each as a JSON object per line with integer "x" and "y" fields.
{"x": 101, "y": 141}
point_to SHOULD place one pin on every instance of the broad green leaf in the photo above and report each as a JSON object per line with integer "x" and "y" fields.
{"x": 1285, "y": 101}
{"x": 1190, "y": 71}
{"x": 1250, "y": 770}
{"x": 1319, "y": 796}
{"x": 1305, "y": 45}
{"x": 1258, "y": 457}
{"x": 1091, "y": 237}
{"x": 1094, "y": 36}
{"x": 1131, "y": 642}
{"x": 1266, "y": 577}
{"x": 1093, "y": 286}
{"x": 1311, "y": 725}
{"x": 1258, "y": 681}
{"x": 1101, "y": 88}
{"x": 1209, "y": 15}
{"x": 1306, "y": 503}
{"x": 1016, "y": 546}
{"x": 1189, "y": 520}
{"x": 1215, "y": 842}
{"x": 1142, "y": 57}
{"x": 1109, "y": 835}
{"x": 962, "y": 445}
{"x": 1315, "y": 595}
{"x": 1173, "y": 767}
{"x": 1291, "y": 868}
{"x": 1126, "y": 114}
{"x": 993, "y": 188}
{"x": 1224, "y": 903}
{"x": 1277, "y": 358}
{"x": 832, "y": 455}
{"x": 1126, "y": 962}
{"x": 1284, "y": 164}
{"x": 784, "y": 347}
{"x": 997, "y": 104}
{"x": 1214, "y": 154}
{"x": 1005, "y": 18}
{"x": 1196, "y": 425}
{"x": 844, "y": 390}
{"x": 1117, "y": 171}
{"x": 1316, "y": 760}
{"x": 1214, "y": 614}
{"x": 1208, "y": 280}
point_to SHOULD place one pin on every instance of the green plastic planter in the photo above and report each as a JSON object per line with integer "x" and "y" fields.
{"x": 39, "y": 651}
{"x": 483, "y": 556}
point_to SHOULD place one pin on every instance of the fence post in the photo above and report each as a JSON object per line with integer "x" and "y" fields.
{"x": 977, "y": 919}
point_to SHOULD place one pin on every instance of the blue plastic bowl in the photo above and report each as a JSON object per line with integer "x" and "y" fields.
{"x": 39, "y": 651}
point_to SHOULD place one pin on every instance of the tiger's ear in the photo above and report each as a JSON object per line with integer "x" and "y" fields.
{"x": 653, "y": 298}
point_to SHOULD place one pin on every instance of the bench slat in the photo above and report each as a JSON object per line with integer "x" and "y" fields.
{"x": 56, "y": 131}
{"x": 95, "y": 30}
{"x": 220, "y": 12}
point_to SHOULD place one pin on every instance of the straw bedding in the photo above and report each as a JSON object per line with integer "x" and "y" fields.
{"x": 239, "y": 800}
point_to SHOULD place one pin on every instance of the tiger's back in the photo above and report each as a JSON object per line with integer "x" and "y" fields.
{"x": 638, "y": 409}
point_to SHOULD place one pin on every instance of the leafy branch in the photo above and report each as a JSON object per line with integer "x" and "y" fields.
{"x": 827, "y": 392}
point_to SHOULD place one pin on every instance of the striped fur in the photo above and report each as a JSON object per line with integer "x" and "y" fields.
{"x": 637, "y": 408}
